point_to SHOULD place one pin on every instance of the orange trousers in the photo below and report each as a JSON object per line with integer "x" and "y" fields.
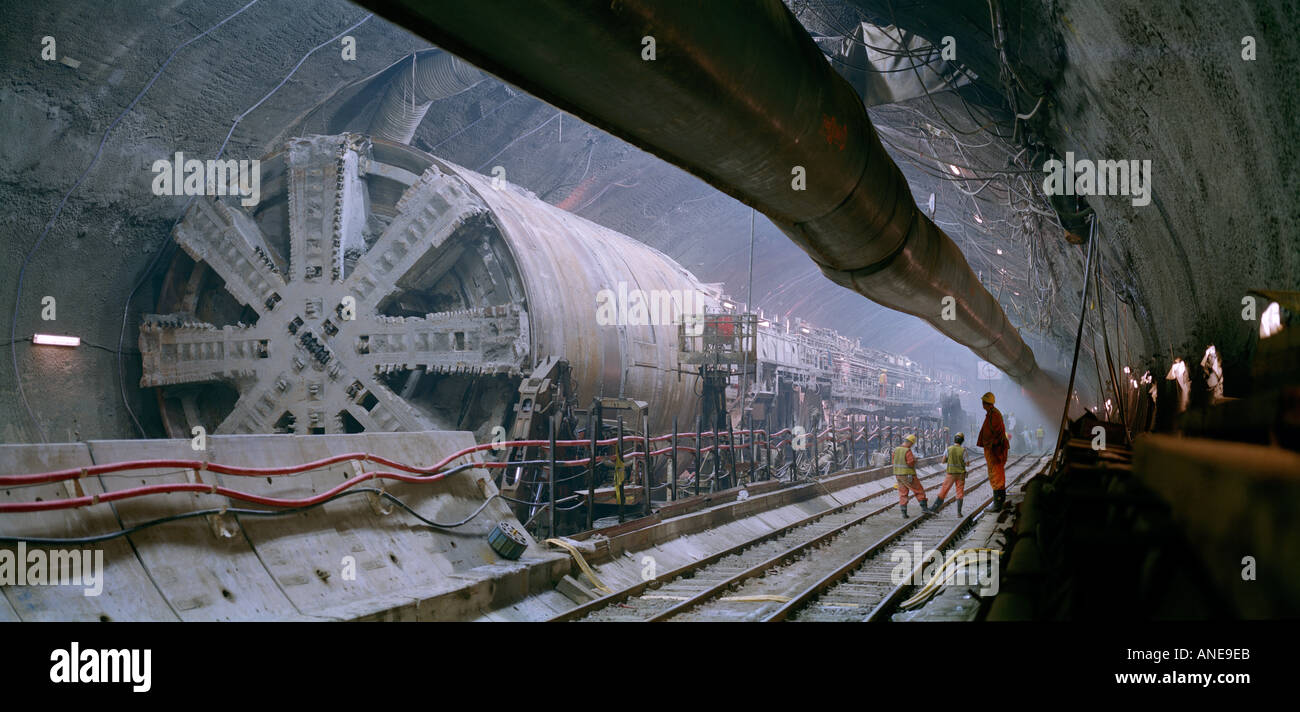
{"x": 997, "y": 474}
{"x": 949, "y": 481}
{"x": 913, "y": 486}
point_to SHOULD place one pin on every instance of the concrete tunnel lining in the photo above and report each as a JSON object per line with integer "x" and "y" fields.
{"x": 1119, "y": 79}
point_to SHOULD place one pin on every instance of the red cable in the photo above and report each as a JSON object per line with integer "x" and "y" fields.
{"x": 427, "y": 474}
{"x": 133, "y": 492}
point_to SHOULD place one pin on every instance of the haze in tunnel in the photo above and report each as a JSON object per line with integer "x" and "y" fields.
{"x": 1162, "y": 265}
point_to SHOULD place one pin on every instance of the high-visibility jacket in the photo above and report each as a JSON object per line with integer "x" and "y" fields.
{"x": 993, "y": 438}
{"x": 900, "y": 461}
{"x": 956, "y": 459}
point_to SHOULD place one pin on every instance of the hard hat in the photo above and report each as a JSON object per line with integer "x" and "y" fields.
{"x": 960, "y": 436}
{"x": 910, "y": 438}
{"x": 987, "y": 398}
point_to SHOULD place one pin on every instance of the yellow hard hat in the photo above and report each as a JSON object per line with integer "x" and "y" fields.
{"x": 987, "y": 398}
{"x": 910, "y": 438}
{"x": 961, "y": 436}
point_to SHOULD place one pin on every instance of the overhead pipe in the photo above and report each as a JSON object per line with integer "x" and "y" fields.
{"x": 422, "y": 79}
{"x": 737, "y": 92}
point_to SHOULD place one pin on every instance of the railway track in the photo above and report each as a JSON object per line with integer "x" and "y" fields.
{"x": 701, "y": 585}
{"x": 791, "y": 534}
{"x": 864, "y": 587}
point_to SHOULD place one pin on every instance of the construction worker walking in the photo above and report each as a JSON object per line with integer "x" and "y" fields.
{"x": 955, "y": 458}
{"x": 993, "y": 438}
{"x": 1039, "y": 433}
{"x": 905, "y": 475}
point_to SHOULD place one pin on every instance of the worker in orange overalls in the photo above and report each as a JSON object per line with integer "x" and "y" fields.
{"x": 993, "y": 438}
{"x": 955, "y": 458}
{"x": 905, "y": 475}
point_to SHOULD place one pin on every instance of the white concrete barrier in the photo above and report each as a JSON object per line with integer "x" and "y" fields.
{"x": 345, "y": 560}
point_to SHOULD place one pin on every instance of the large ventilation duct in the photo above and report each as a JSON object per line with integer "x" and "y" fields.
{"x": 425, "y": 78}
{"x": 737, "y": 93}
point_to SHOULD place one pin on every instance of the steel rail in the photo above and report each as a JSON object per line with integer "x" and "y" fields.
{"x": 751, "y": 572}
{"x": 896, "y": 595}
{"x": 830, "y": 580}
{"x": 638, "y": 589}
